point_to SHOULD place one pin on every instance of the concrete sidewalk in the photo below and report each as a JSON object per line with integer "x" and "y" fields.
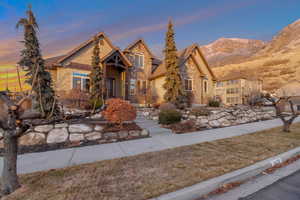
{"x": 160, "y": 140}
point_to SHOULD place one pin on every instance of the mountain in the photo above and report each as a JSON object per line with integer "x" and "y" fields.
{"x": 231, "y": 50}
{"x": 285, "y": 41}
{"x": 277, "y": 62}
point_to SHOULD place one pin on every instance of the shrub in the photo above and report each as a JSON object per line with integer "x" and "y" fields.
{"x": 169, "y": 116}
{"x": 97, "y": 103}
{"x": 118, "y": 111}
{"x": 167, "y": 106}
{"x": 184, "y": 127}
{"x": 75, "y": 98}
{"x": 214, "y": 103}
{"x": 156, "y": 105}
{"x": 200, "y": 111}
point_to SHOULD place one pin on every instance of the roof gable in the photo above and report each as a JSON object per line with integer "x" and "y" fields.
{"x": 183, "y": 56}
{"x": 83, "y": 45}
{"x": 135, "y": 43}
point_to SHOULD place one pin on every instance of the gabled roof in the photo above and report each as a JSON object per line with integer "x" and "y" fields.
{"x": 84, "y": 44}
{"x": 142, "y": 41}
{"x": 126, "y": 60}
{"x": 58, "y": 60}
{"x": 183, "y": 55}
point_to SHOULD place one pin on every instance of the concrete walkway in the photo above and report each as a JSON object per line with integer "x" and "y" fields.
{"x": 160, "y": 139}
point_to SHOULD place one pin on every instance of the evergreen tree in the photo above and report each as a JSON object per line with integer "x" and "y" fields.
{"x": 96, "y": 76}
{"x": 33, "y": 63}
{"x": 173, "y": 82}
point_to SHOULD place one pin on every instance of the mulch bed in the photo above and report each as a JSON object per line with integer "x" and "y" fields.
{"x": 66, "y": 145}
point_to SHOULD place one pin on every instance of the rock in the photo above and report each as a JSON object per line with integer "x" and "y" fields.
{"x": 123, "y": 134}
{"x": 155, "y": 118}
{"x": 93, "y": 136}
{"x": 146, "y": 114}
{"x": 57, "y": 135}
{"x": 214, "y": 124}
{"x": 76, "y": 137}
{"x": 32, "y": 138}
{"x": 224, "y": 122}
{"x": 145, "y": 132}
{"x": 134, "y": 133}
{"x": 79, "y": 128}
{"x": 192, "y": 117}
{"x": 98, "y": 128}
{"x": 62, "y": 125}
{"x": 1, "y": 132}
{"x": 96, "y": 116}
{"x": 110, "y": 135}
{"x": 43, "y": 128}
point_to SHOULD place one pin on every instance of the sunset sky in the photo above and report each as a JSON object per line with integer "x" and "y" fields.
{"x": 66, "y": 23}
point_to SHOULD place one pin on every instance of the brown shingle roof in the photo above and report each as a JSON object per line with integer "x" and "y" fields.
{"x": 74, "y": 65}
{"x": 49, "y": 62}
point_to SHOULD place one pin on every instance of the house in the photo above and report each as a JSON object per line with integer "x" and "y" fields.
{"x": 143, "y": 62}
{"x": 233, "y": 90}
{"x": 197, "y": 76}
{"x": 71, "y": 71}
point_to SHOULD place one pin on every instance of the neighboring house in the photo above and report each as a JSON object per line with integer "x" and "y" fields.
{"x": 71, "y": 71}
{"x": 197, "y": 77}
{"x": 143, "y": 62}
{"x": 233, "y": 91}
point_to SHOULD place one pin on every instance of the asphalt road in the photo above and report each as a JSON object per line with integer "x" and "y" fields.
{"x": 287, "y": 188}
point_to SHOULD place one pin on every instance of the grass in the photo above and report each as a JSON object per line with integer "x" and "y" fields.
{"x": 152, "y": 174}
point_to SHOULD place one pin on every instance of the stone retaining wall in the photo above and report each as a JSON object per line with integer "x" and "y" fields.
{"x": 220, "y": 117}
{"x": 59, "y": 133}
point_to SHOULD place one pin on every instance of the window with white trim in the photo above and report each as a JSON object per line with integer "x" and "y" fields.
{"x": 80, "y": 81}
{"x": 188, "y": 84}
{"x": 138, "y": 60}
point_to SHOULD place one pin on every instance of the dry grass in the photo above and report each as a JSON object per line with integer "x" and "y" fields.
{"x": 152, "y": 174}
{"x": 275, "y": 62}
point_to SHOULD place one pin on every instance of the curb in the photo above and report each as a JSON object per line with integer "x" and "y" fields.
{"x": 200, "y": 189}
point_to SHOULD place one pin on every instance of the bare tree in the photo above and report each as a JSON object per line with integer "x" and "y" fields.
{"x": 286, "y": 117}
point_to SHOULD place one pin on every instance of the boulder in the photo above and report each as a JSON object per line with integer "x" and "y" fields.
{"x": 134, "y": 133}
{"x": 214, "y": 124}
{"x": 62, "y": 125}
{"x": 32, "y": 138}
{"x": 98, "y": 128}
{"x": 76, "y": 137}
{"x": 145, "y": 132}
{"x": 93, "y": 136}
{"x": 57, "y": 135}
{"x": 110, "y": 135}
{"x": 96, "y": 116}
{"x": 79, "y": 128}
{"x": 43, "y": 128}
{"x": 123, "y": 134}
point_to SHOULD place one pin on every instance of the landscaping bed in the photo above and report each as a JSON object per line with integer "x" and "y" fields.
{"x": 153, "y": 174}
{"x": 76, "y": 134}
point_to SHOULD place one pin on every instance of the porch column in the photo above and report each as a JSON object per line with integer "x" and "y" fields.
{"x": 127, "y": 84}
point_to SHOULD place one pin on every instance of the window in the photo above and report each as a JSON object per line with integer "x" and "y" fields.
{"x": 205, "y": 86}
{"x": 132, "y": 86}
{"x": 138, "y": 60}
{"x": 142, "y": 87}
{"x": 188, "y": 84}
{"x": 81, "y": 81}
{"x": 219, "y": 84}
{"x": 298, "y": 107}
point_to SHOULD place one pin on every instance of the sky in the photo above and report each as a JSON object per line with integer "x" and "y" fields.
{"x": 64, "y": 24}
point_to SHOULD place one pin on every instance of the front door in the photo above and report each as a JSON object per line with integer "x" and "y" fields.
{"x": 111, "y": 87}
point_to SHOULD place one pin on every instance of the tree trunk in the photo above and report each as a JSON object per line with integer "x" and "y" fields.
{"x": 10, "y": 181}
{"x": 286, "y": 126}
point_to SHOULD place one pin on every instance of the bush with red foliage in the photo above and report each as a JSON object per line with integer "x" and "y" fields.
{"x": 118, "y": 111}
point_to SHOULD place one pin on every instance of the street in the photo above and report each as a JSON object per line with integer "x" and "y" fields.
{"x": 285, "y": 189}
